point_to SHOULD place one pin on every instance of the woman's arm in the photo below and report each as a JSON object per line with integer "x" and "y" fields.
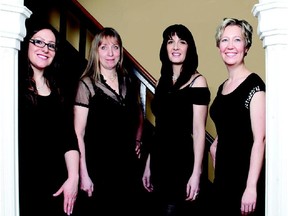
{"x": 213, "y": 149}
{"x": 146, "y": 179}
{"x": 70, "y": 186}
{"x": 71, "y": 189}
{"x": 258, "y": 122}
{"x": 199, "y": 122}
{"x": 80, "y": 120}
{"x": 139, "y": 132}
{"x": 199, "y": 126}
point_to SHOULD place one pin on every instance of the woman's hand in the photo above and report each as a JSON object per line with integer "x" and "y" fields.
{"x": 70, "y": 191}
{"x": 146, "y": 179}
{"x": 192, "y": 189}
{"x": 248, "y": 202}
{"x": 87, "y": 185}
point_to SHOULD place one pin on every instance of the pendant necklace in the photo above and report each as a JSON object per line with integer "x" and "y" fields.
{"x": 174, "y": 78}
{"x": 112, "y": 77}
{"x": 40, "y": 87}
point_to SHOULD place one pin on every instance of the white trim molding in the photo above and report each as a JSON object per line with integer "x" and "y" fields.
{"x": 12, "y": 32}
{"x": 273, "y": 31}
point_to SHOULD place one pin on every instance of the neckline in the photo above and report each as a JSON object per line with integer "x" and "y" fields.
{"x": 236, "y": 89}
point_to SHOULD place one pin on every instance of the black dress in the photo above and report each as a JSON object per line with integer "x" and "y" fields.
{"x": 231, "y": 115}
{"x": 172, "y": 153}
{"x": 110, "y": 137}
{"x": 45, "y": 134}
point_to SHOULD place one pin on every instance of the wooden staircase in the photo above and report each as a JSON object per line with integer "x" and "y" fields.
{"x": 77, "y": 28}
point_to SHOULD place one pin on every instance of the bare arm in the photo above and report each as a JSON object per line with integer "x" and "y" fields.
{"x": 72, "y": 164}
{"x": 146, "y": 179}
{"x": 199, "y": 136}
{"x": 258, "y": 122}
{"x": 199, "y": 125}
{"x": 213, "y": 149}
{"x": 80, "y": 120}
{"x": 70, "y": 186}
{"x": 139, "y": 132}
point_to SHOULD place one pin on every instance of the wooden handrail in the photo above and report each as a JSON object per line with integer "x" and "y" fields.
{"x": 77, "y": 6}
{"x": 144, "y": 76}
{"x": 93, "y": 23}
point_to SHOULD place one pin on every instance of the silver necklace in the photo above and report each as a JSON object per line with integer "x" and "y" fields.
{"x": 112, "y": 77}
{"x": 174, "y": 78}
{"x": 40, "y": 87}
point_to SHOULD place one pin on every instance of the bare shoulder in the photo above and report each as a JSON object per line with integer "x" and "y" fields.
{"x": 199, "y": 80}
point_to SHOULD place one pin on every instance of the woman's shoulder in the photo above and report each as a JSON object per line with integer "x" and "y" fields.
{"x": 86, "y": 83}
{"x": 198, "y": 80}
{"x": 255, "y": 79}
{"x": 86, "y": 80}
{"x": 255, "y": 76}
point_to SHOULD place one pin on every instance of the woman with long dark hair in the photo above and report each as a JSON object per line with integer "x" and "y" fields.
{"x": 48, "y": 150}
{"x": 174, "y": 165}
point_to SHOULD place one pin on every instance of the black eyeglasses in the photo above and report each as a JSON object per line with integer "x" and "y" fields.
{"x": 41, "y": 44}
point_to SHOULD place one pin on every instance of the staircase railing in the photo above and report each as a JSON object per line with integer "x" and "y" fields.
{"x": 147, "y": 81}
{"x": 88, "y": 23}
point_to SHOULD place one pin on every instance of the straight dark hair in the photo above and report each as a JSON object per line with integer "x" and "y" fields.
{"x": 190, "y": 63}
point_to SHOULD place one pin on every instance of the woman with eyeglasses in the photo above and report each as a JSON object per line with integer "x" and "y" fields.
{"x": 48, "y": 150}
